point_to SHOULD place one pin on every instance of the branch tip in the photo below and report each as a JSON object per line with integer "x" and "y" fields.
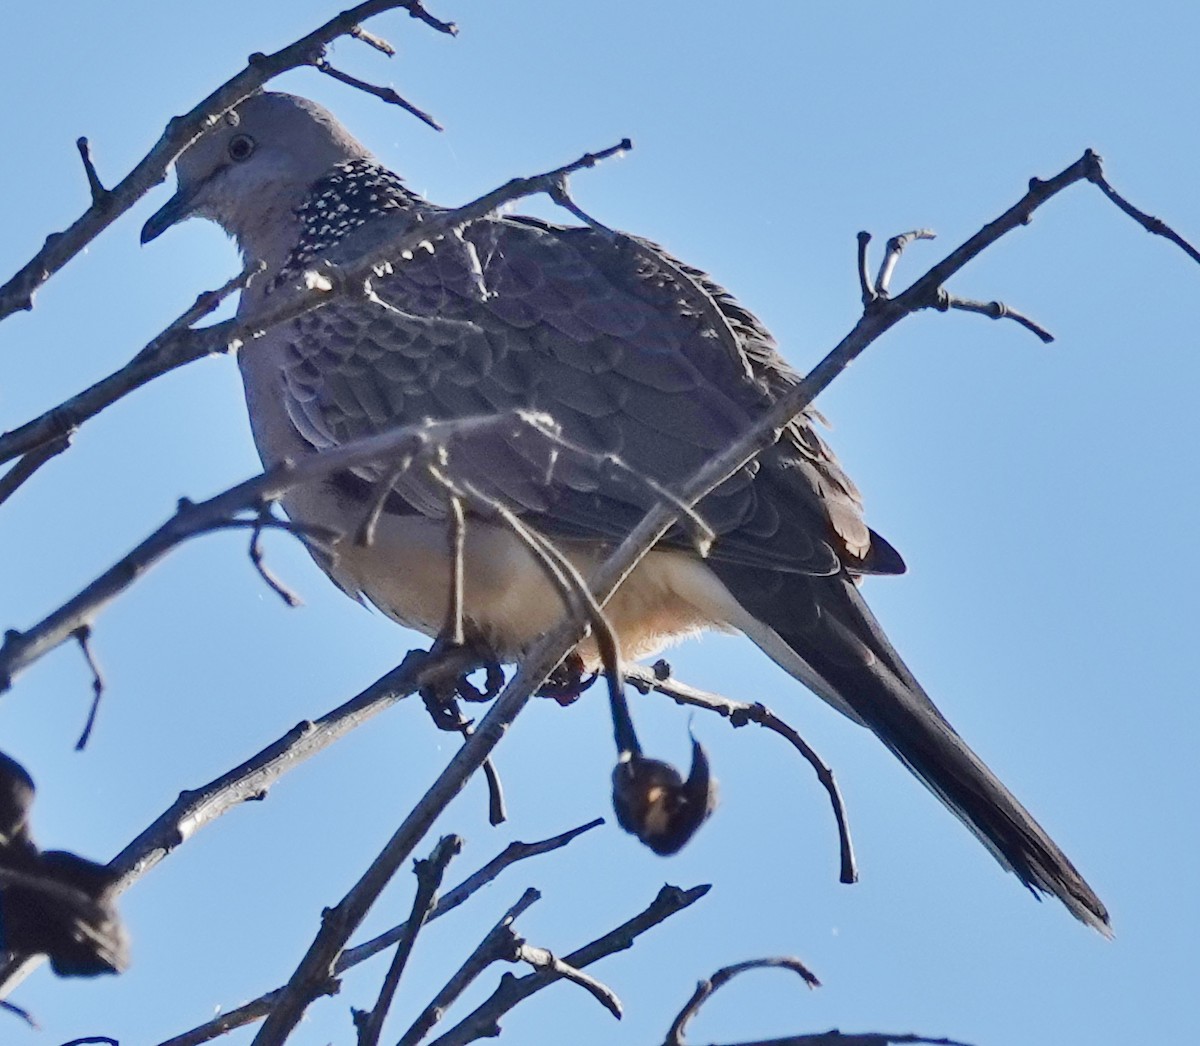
{"x": 264, "y": 520}
{"x": 100, "y": 195}
{"x": 371, "y": 40}
{"x": 706, "y": 988}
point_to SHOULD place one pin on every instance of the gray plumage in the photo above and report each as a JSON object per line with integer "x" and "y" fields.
{"x": 523, "y": 313}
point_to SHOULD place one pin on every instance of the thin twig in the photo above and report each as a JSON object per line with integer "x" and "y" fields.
{"x": 498, "y": 945}
{"x": 1095, "y": 175}
{"x": 165, "y": 352}
{"x": 895, "y": 247}
{"x": 864, "y": 269}
{"x": 739, "y": 713}
{"x": 83, "y": 635}
{"x": 384, "y": 94}
{"x": 372, "y": 40}
{"x": 418, "y": 12}
{"x": 197, "y": 808}
{"x": 263, "y": 520}
{"x": 503, "y": 945}
{"x": 723, "y": 976}
{"x": 456, "y": 532}
{"x": 497, "y": 811}
{"x": 21, "y": 649}
{"x": 429, "y": 878}
{"x": 702, "y": 534}
{"x": 30, "y": 462}
{"x": 543, "y": 959}
{"x": 100, "y": 195}
{"x": 578, "y": 600}
{"x": 484, "y": 1020}
{"x": 208, "y": 301}
{"x": 23, "y": 1014}
{"x": 365, "y": 535}
{"x": 624, "y": 733}
{"x": 995, "y": 310}
{"x": 442, "y": 705}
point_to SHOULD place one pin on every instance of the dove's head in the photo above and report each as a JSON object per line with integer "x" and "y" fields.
{"x": 250, "y": 172}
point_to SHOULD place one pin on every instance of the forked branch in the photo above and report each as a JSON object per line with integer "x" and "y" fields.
{"x": 110, "y": 204}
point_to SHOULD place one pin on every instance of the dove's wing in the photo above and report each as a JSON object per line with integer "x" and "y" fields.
{"x": 569, "y": 322}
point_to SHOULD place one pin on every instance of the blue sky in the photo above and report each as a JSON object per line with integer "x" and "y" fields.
{"x": 1042, "y": 496}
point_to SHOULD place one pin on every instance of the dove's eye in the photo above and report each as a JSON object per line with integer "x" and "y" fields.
{"x": 241, "y": 148}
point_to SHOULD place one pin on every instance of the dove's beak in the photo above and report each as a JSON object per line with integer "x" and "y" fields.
{"x": 178, "y": 208}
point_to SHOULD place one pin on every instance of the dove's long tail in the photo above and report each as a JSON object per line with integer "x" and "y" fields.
{"x": 847, "y": 659}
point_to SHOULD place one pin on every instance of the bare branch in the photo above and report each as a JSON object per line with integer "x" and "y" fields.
{"x": 19, "y": 650}
{"x": 499, "y": 945}
{"x": 418, "y": 12}
{"x": 878, "y": 317}
{"x": 28, "y": 1017}
{"x": 365, "y": 534}
{"x": 429, "y": 877}
{"x": 342, "y": 921}
{"x": 23, "y": 1014}
{"x": 895, "y": 247}
{"x": 739, "y": 713}
{"x": 497, "y": 812}
{"x": 444, "y": 710}
{"x": 864, "y": 269}
{"x": 371, "y": 40}
{"x": 252, "y": 779}
{"x": 456, "y": 528}
{"x": 706, "y": 988}
{"x": 1157, "y": 226}
{"x": 260, "y": 1007}
{"x": 580, "y": 601}
{"x": 722, "y": 977}
{"x": 208, "y": 301}
{"x": 612, "y": 465}
{"x": 995, "y": 310}
{"x": 83, "y": 635}
{"x": 61, "y": 247}
{"x": 543, "y": 959}
{"x": 484, "y": 1020}
{"x": 265, "y": 519}
{"x": 573, "y": 591}
{"x": 100, "y": 195}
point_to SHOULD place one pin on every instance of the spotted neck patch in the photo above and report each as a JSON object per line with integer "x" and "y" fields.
{"x": 350, "y": 195}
